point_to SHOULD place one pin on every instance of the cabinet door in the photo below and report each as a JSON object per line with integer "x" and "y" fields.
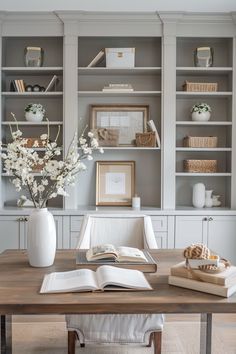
{"x": 161, "y": 238}
{"x": 12, "y": 233}
{"x": 222, "y": 236}
{"x": 190, "y": 229}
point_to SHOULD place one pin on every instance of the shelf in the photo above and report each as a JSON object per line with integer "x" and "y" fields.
{"x": 130, "y": 148}
{"x": 32, "y": 94}
{"x": 206, "y": 71}
{"x": 190, "y": 122}
{"x": 118, "y": 94}
{"x": 191, "y": 174}
{"x": 203, "y": 149}
{"x": 35, "y": 149}
{"x": 32, "y": 70}
{"x": 119, "y": 71}
{"x": 33, "y": 123}
{"x": 36, "y": 174}
{"x": 218, "y": 94}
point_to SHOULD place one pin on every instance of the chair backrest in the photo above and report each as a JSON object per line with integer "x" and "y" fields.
{"x": 118, "y": 229}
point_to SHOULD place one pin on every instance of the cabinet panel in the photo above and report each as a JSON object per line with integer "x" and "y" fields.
{"x": 161, "y": 238}
{"x": 222, "y": 236}
{"x": 190, "y": 229}
{"x": 159, "y": 223}
{"x": 12, "y": 233}
{"x": 75, "y": 223}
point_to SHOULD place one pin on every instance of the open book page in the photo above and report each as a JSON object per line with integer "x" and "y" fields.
{"x": 75, "y": 280}
{"x": 105, "y": 251}
{"x": 130, "y": 254}
{"x": 111, "y": 277}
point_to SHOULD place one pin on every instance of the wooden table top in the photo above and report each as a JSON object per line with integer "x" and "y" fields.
{"x": 20, "y": 285}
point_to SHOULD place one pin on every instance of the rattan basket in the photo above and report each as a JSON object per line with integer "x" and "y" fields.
{"x": 200, "y": 141}
{"x": 200, "y": 86}
{"x": 200, "y": 166}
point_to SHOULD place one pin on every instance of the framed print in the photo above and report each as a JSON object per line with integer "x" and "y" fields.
{"x": 128, "y": 119}
{"x": 115, "y": 182}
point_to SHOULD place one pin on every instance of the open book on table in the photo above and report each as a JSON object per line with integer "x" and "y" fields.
{"x": 108, "y": 252}
{"x": 104, "y": 278}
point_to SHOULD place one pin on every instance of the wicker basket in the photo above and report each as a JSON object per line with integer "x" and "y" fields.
{"x": 200, "y": 141}
{"x": 200, "y": 166}
{"x": 146, "y": 139}
{"x": 200, "y": 86}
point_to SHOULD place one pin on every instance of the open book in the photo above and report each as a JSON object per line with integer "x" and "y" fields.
{"x": 105, "y": 278}
{"x": 119, "y": 254}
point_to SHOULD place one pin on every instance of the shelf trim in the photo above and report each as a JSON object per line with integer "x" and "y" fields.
{"x": 103, "y": 70}
{"x": 33, "y": 123}
{"x": 12, "y": 94}
{"x": 191, "y": 174}
{"x": 203, "y": 149}
{"x": 204, "y": 93}
{"x": 120, "y": 94}
{"x": 182, "y": 122}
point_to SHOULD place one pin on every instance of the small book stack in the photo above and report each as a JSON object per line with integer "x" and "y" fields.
{"x": 118, "y": 88}
{"x": 221, "y": 284}
{"x": 17, "y": 86}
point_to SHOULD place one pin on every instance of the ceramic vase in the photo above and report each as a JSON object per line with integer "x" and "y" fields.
{"x": 34, "y": 117}
{"x": 198, "y": 195}
{"x": 41, "y": 238}
{"x": 208, "y": 199}
{"x": 215, "y": 200}
{"x": 201, "y": 116}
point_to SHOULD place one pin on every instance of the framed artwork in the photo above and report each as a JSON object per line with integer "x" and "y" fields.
{"x": 128, "y": 119}
{"x": 115, "y": 182}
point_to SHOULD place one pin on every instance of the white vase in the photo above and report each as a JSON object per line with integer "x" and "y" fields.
{"x": 198, "y": 195}
{"x": 215, "y": 200}
{"x": 34, "y": 117}
{"x": 201, "y": 116}
{"x": 208, "y": 199}
{"x": 41, "y": 238}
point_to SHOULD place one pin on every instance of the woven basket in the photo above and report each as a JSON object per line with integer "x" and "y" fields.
{"x": 200, "y": 86}
{"x": 200, "y": 141}
{"x": 31, "y": 141}
{"x": 146, "y": 139}
{"x": 200, "y": 166}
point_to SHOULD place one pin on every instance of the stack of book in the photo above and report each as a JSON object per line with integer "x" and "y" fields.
{"x": 222, "y": 284}
{"x": 118, "y": 88}
{"x": 17, "y": 86}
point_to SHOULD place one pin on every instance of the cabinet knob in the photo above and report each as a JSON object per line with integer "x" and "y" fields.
{"x": 204, "y": 219}
{"x": 25, "y": 219}
{"x": 210, "y": 218}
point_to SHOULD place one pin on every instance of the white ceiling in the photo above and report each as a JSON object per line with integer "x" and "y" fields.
{"x": 119, "y": 5}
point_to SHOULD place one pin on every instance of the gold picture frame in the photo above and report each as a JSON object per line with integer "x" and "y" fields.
{"x": 115, "y": 183}
{"x": 128, "y": 119}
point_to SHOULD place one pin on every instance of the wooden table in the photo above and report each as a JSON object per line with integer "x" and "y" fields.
{"x": 20, "y": 284}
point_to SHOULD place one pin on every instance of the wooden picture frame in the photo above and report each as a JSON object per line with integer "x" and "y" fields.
{"x": 115, "y": 182}
{"x": 128, "y": 119}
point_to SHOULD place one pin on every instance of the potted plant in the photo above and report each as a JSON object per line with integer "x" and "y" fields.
{"x": 34, "y": 112}
{"x": 201, "y": 112}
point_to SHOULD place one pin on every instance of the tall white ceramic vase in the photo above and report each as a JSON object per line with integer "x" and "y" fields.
{"x": 199, "y": 195}
{"x": 41, "y": 238}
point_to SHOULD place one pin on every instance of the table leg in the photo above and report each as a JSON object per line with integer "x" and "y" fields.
{"x": 6, "y": 334}
{"x": 206, "y": 332}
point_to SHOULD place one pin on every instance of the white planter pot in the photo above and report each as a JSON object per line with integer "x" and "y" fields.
{"x": 34, "y": 117}
{"x": 208, "y": 199}
{"x": 198, "y": 195}
{"x": 41, "y": 238}
{"x": 201, "y": 116}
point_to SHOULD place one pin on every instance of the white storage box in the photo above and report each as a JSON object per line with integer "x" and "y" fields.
{"x": 120, "y": 57}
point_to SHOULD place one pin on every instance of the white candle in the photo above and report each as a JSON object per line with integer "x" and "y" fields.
{"x": 136, "y": 202}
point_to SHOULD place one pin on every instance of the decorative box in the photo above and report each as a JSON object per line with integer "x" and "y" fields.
{"x": 200, "y": 166}
{"x": 146, "y": 139}
{"x": 200, "y": 86}
{"x": 200, "y": 141}
{"x": 120, "y": 57}
{"x": 107, "y": 137}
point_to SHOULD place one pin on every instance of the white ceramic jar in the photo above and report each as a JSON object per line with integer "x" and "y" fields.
{"x": 201, "y": 116}
{"x": 198, "y": 198}
{"x": 208, "y": 199}
{"x": 34, "y": 117}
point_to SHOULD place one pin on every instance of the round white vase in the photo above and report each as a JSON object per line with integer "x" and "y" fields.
{"x": 208, "y": 199}
{"x": 198, "y": 195}
{"x": 34, "y": 117}
{"x": 41, "y": 238}
{"x": 201, "y": 116}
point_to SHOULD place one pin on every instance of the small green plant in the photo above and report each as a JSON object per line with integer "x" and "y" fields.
{"x": 201, "y": 107}
{"x": 34, "y": 108}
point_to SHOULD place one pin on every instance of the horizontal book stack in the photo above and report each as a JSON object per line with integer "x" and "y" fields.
{"x": 17, "y": 86}
{"x": 221, "y": 284}
{"x": 118, "y": 88}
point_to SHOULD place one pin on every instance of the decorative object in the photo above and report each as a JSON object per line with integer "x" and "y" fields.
{"x": 120, "y": 57}
{"x": 28, "y": 88}
{"x": 34, "y": 112}
{"x": 215, "y": 201}
{"x": 146, "y": 139}
{"x": 115, "y": 182}
{"x": 33, "y": 56}
{"x": 136, "y": 202}
{"x": 55, "y": 175}
{"x": 201, "y": 112}
{"x": 36, "y": 88}
{"x": 129, "y": 119}
{"x": 200, "y": 166}
{"x": 41, "y": 238}
{"x": 203, "y": 56}
{"x": 34, "y": 142}
{"x": 52, "y": 83}
{"x": 208, "y": 199}
{"x": 106, "y": 137}
{"x": 198, "y": 198}
{"x": 200, "y": 86}
{"x": 200, "y": 141}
